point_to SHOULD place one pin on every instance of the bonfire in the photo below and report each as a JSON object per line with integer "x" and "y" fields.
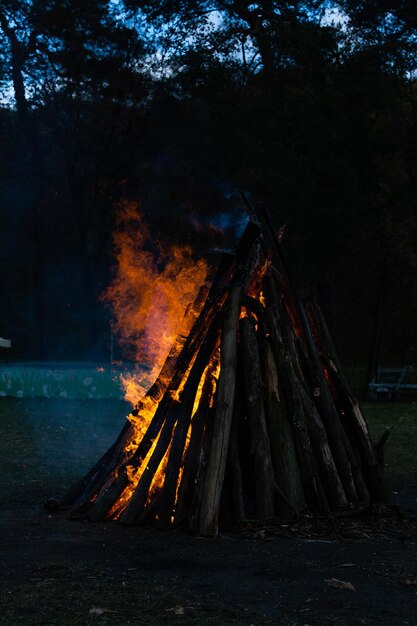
{"x": 250, "y": 416}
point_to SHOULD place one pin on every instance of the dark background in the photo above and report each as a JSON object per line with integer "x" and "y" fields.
{"x": 177, "y": 105}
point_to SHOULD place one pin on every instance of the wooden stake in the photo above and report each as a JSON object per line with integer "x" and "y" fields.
{"x": 260, "y": 446}
{"x": 295, "y": 411}
{"x": 234, "y": 464}
{"x": 223, "y": 418}
{"x": 352, "y": 415}
{"x": 284, "y": 458}
{"x": 195, "y": 447}
{"x": 166, "y": 499}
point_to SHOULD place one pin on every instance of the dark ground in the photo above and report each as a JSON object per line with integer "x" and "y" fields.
{"x": 56, "y": 571}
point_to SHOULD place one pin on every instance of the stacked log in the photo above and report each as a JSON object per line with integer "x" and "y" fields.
{"x": 250, "y": 418}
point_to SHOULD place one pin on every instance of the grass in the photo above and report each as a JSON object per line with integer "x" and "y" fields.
{"x": 401, "y": 447}
{"x": 60, "y": 595}
{"x": 46, "y": 445}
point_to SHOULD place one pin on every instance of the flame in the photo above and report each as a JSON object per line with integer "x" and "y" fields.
{"x": 134, "y": 475}
{"x": 134, "y": 385}
{"x": 152, "y": 287}
{"x": 140, "y": 423}
{"x": 255, "y": 287}
{"x": 155, "y": 302}
{"x": 244, "y": 313}
{"x": 210, "y": 374}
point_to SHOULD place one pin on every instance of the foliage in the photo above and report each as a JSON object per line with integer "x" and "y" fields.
{"x": 387, "y": 28}
{"x": 310, "y": 105}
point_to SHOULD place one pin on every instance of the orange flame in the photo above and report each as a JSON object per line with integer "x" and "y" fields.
{"x": 211, "y": 373}
{"x": 150, "y": 291}
{"x": 152, "y": 288}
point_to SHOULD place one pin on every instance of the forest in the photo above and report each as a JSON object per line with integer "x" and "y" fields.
{"x": 309, "y": 106}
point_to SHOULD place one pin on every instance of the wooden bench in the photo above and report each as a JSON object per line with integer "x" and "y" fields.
{"x": 390, "y": 383}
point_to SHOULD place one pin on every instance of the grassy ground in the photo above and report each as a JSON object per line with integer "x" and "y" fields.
{"x": 64, "y": 595}
{"x": 60, "y": 573}
{"x": 401, "y": 448}
{"x": 46, "y": 445}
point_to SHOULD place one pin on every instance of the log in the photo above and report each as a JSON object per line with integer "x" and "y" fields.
{"x": 234, "y": 463}
{"x": 342, "y": 451}
{"x": 167, "y": 497}
{"x": 327, "y": 410}
{"x": 317, "y": 433}
{"x": 340, "y": 445}
{"x": 280, "y": 431}
{"x": 260, "y": 446}
{"x": 85, "y": 491}
{"x": 294, "y": 409}
{"x": 138, "y": 500}
{"x": 89, "y": 492}
{"x": 324, "y": 403}
{"x": 87, "y": 487}
{"x": 327, "y": 467}
{"x": 107, "y": 497}
{"x": 195, "y": 446}
{"x": 198, "y": 490}
{"x": 209, "y": 514}
{"x": 318, "y": 436}
{"x": 283, "y": 453}
{"x": 352, "y": 415}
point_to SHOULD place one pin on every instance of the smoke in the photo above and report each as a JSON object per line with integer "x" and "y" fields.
{"x": 222, "y": 223}
{"x": 228, "y": 225}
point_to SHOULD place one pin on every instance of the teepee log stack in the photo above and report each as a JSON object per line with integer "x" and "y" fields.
{"x": 250, "y": 418}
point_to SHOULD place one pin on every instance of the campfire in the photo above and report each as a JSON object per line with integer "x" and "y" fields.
{"x": 250, "y": 417}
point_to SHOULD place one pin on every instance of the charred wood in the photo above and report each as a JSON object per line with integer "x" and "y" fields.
{"x": 353, "y": 418}
{"x": 223, "y": 418}
{"x": 196, "y": 445}
{"x": 167, "y": 497}
{"x": 261, "y": 451}
{"x": 283, "y": 453}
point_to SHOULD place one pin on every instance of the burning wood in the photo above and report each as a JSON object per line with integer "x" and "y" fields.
{"x": 250, "y": 416}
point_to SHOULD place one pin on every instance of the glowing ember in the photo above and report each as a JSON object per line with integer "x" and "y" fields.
{"x": 244, "y": 313}
{"x": 255, "y": 288}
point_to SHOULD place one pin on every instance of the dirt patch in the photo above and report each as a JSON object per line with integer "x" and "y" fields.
{"x": 57, "y": 571}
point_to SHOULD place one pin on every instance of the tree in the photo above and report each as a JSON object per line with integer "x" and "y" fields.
{"x": 68, "y": 63}
{"x": 387, "y": 28}
{"x": 274, "y": 32}
{"x": 177, "y": 104}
